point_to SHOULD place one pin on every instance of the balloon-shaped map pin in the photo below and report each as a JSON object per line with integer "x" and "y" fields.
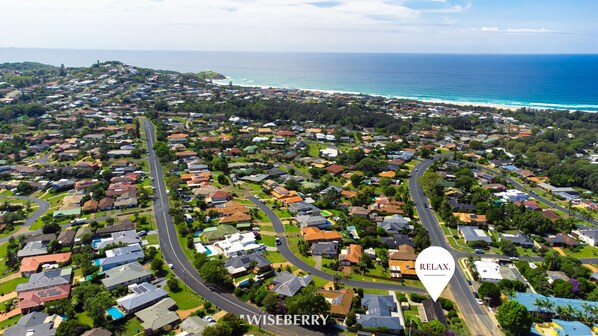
{"x": 435, "y": 267}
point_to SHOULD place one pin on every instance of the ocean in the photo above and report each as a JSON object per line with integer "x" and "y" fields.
{"x": 536, "y": 81}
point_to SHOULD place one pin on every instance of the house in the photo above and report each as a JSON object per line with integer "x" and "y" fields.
{"x": 303, "y": 208}
{"x": 313, "y": 235}
{"x": 33, "y": 324}
{"x": 125, "y": 275}
{"x": 66, "y": 238}
{"x": 123, "y": 237}
{"x": 97, "y": 332}
{"x": 340, "y": 301}
{"x": 397, "y": 240}
{"x": 401, "y": 268}
{"x": 31, "y": 265}
{"x": 561, "y": 239}
{"x": 90, "y": 206}
{"x": 381, "y": 312}
{"x": 159, "y": 315}
{"x": 236, "y": 244}
{"x": 529, "y": 300}
{"x": 488, "y": 270}
{"x": 82, "y": 232}
{"x": 142, "y": 296}
{"x": 587, "y": 235}
{"x": 123, "y": 225}
{"x": 241, "y": 265}
{"x": 219, "y": 197}
{"x": 359, "y": 211}
{"x": 335, "y": 169}
{"x": 553, "y": 216}
{"x": 31, "y": 249}
{"x": 395, "y": 224}
{"x": 287, "y": 284}
{"x": 562, "y": 327}
{"x": 327, "y": 249}
{"x": 120, "y": 256}
{"x": 311, "y": 221}
{"x": 350, "y": 256}
{"x": 472, "y": 233}
{"x": 519, "y": 239}
{"x": 43, "y": 287}
{"x": 219, "y": 232}
{"x": 513, "y": 195}
{"x": 193, "y": 326}
{"x": 404, "y": 252}
{"x": 470, "y": 219}
{"x": 106, "y": 204}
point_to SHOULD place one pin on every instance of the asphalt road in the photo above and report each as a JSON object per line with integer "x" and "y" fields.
{"x": 476, "y": 316}
{"x": 286, "y": 252}
{"x": 43, "y": 207}
{"x": 182, "y": 267}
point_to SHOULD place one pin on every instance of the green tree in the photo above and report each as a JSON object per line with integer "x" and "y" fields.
{"x": 490, "y": 290}
{"x": 213, "y": 271}
{"x": 308, "y": 302}
{"x": 24, "y": 188}
{"x": 507, "y": 247}
{"x": 157, "y": 265}
{"x": 174, "y": 285}
{"x": 514, "y": 318}
{"x": 356, "y": 180}
{"x": 435, "y": 328}
{"x": 71, "y": 327}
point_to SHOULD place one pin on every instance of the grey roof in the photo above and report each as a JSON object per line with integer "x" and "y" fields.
{"x": 32, "y": 249}
{"x": 591, "y": 233}
{"x": 125, "y": 274}
{"x": 122, "y": 255}
{"x": 126, "y": 237}
{"x": 288, "y": 284}
{"x": 394, "y": 224}
{"x": 82, "y": 231}
{"x": 47, "y": 279}
{"x": 303, "y": 208}
{"x": 143, "y": 294}
{"x": 397, "y": 240}
{"x": 121, "y": 226}
{"x": 469, "y": 233}
{"x": 40, "y": 238}
{"x": 245, "y": 261}
{"x": 308, "y": 220}
{"x": 379, "y": 308}
{"x": 158, "y": 315}
{"x": 520, "y": 239}
{"x": 194, "y": 325}
{"x": 32, "y": 324}
{"x": 97, "y": 332}
{"x": 327, "y": 248}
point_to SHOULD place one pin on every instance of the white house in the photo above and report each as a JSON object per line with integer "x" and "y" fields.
{"x": 488, "y": 270}
{"x": 236, "y": 244}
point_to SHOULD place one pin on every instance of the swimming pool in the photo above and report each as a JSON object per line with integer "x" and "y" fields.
{"x": 115, "y": 313}
{"x": 208, "y": 251}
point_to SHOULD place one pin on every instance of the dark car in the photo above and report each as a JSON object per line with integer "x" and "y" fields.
{"x": 277, "y": 241}
{"x": 475, "y": 295}
{"x": 469, "y": 282}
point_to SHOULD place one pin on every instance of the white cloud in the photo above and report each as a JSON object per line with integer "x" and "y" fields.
{"x": 494, "y": 29}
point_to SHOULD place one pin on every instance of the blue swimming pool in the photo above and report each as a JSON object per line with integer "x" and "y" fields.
{"x": 95, "y": 243}
{"x": 196, "y": 234}
{"x": 208, "y": 251}
{"x": 115, "y": 313}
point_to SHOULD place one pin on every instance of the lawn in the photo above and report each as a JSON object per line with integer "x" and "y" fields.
{"x": 11, "y": 285}
{"x": 3, "y": 251}
{"x": 10, "y": 322}
{"x": 291, "y": 229}
{"x": 185, "y": 298}
{"x": 584, "y": 252}
{"x": 274, "y": 257}
{"x": 152, "y": 239}
{"x": 84, "y": 318}
{"x": 267, "y": 240}
{"x": 319, "y": 282}
{"x": 375, "y": 291}
{"x": 314, "y": 149}
{"x": 267, "y": 228}
{"x": 132, "y": 327}
{"x": 283, "y": 213}
{"x": 526, "y": 252}
{"x": 293, "y": 246}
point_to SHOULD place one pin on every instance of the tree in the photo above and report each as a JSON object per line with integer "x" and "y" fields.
{"x": 490, "y": 290}
{"x": 222, "y": 179}
{"x": 24, "y": 188}
{"x": 356, "y": 180}
{"x": 435, "y": 328}
{"x": 270, "y": 302}
{"x": 213, "y": 271}
{"x": 514, "y": 318}
{"x": 71, "y": 327}
{"x": 50, "y": 228}
{"x": 308, "y": 302}
{"x": 507, "y": 247}
{"x": 157, "y": 265}
{"x": 174, "y": 285}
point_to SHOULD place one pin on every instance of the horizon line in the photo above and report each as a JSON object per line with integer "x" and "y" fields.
{"x": 316, "y": 52}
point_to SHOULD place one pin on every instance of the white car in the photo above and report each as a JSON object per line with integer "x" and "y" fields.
{"x": 171, "y": 266}
{"x": 209, "y": 319}
{"x": 479, "y": 301}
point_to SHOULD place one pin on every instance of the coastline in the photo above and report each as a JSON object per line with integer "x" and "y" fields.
{"x": 514, "y": 106}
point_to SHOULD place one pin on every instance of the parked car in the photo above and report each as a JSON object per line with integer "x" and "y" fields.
{"x": 469, "y": 282}
{"x": 277, "y": 241}
{"x": 479, "y": 301}
{"x": 171, "y": 266}
{"x": 209, "y": 319}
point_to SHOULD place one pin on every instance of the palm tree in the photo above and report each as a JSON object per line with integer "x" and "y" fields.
{"x": 544, "y": 306}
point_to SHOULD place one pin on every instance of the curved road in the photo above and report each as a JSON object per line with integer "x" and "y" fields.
{"x": 182, "y": 267}
{"x": 286, "y": 252}
{"x": 43, "y": 206}
{"x": 475, "y": 314}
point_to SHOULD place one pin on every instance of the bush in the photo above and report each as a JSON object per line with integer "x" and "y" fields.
{"x": 418, "y": 297}
{"x": 238, "y": 292}
{"x": 446, "y": 303}
{"x": 451, "y": 314}
{"x": 200, "y": 313}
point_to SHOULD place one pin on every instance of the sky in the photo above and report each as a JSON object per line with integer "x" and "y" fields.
{"x": 430, "y": 26}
